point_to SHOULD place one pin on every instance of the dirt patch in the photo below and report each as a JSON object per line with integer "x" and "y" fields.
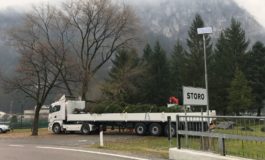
{"x": 23, "y": 133}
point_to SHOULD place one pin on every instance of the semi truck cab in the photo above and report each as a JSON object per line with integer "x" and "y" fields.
{"x": 58, "y": 115}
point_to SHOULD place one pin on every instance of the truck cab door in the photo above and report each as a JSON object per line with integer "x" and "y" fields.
{"x": 56, "y": 113}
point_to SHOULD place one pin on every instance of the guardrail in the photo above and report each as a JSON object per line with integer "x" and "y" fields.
{"x": 242, "y": 136}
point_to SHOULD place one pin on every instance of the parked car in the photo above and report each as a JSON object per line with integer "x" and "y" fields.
{"x": 4, "y": 128}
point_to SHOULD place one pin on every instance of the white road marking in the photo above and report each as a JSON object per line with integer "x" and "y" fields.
{"x": 15, "y": 145}
{"x": 93, "y": 152}
{"x": 82, "y": 140}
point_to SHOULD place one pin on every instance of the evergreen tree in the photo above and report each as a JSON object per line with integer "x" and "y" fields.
{"x": 147, "y": 52}
{"x": 177, "y": 69}
{"x": 256, "y": 74}
{"x": 144, "y": 78}
{"x": 121, "y": 85}
{"x": 240, "y": 98}
{"x": 195, "y": 54}
{"x": 221, "y": 76}
{"x": 230, "y": 53}
{"x": 237, "y": 44}
{"x": 157, "y": 78}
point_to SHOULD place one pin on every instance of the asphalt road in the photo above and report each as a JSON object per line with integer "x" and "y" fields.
{"x": 69, "y": 140}
{"x": 32, "y": 152}
{"x": 63, "y": 147}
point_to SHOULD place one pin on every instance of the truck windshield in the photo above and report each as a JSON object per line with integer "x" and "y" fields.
{"x": 55, "y": 108}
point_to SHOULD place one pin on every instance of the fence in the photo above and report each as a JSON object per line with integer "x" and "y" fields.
{"x": 242, "y": 136}
{"x": 19, "y": 122}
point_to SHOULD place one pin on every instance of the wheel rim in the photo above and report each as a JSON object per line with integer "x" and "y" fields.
{"x": 56, "y": 129}
{"x": 140, "y": 130}
{"x": 155, "y": 130}
{"x": 172, "y": 131}
{"x": 85, "y": 130}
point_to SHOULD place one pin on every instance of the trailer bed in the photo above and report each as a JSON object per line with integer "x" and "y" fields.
{"x": 132, "y": 117}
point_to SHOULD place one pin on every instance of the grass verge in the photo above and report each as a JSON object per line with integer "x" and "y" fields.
{"x": 145, "y": 145}
{"x": 20, "y": 133}
{"x": 159, "y": 146}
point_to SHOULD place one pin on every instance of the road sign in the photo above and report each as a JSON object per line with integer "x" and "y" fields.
{"x": 205, "y": 30}
{"x": 194, "y": 96}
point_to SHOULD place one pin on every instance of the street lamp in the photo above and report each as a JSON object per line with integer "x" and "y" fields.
{"x": 203, "y": 31}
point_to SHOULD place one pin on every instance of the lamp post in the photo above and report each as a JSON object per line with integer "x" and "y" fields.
{"x": 203, "y": 31}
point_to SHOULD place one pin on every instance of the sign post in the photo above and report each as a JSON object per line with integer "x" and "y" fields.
{"x": 203, "y": 31}
{"x": 198, "y": 97}
{"x": 195, "y": 96}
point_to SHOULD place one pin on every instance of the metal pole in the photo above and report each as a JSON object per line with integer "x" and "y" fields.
{"x": 177, "y": 134}
{"x": 221, "y": 142}
{"x": 101, "y": 136}
{"x": 206, "y": 84}
{"x": 22, "y": 114}
{"x": 169, "y": 130}
{"x": 186, "y": 127}
{"x": 206, "y": 79}
{"x": 202, "y": 129}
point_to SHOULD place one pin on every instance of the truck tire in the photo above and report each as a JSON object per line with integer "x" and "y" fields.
{"x": 155, "y": 129}
{"x": 85, "y": 129}
{"x": 1, "y": 131}
{"x": 56, "y": 128}
{"x": 140, "y": 129}
{"x": 173, "y": 130}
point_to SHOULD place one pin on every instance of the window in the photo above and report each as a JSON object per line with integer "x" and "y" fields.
{"x": 55, "y": 108}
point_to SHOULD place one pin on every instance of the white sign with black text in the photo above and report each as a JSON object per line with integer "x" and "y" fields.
{"x": 194, "y": 96}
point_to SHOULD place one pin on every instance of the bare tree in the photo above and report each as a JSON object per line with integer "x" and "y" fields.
{"x": 42, "y": 42}
{"x": 51, "y": 38}
{"x": 100, "y": 28}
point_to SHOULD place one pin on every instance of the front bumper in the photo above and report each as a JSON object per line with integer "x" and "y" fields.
{"x": 6, "y": 130}
{"x": 50, "y": 127}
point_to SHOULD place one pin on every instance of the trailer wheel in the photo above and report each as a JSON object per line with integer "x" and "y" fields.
{"x": 140, "y": 129}
{"x": 56, "y": 128}
{"x": 155, "y": 129}
{"x": 85, "y": 129}
{"x": 173, "y": 130}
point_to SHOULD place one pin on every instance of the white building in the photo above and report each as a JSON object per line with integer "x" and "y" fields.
{"x": 44, "y": 112}
{"x": 2, "y": 114}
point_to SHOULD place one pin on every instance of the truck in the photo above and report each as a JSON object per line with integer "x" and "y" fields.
{"x": 66, "y": 116}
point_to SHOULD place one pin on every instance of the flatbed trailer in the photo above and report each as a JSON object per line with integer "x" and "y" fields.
{"x": 64, "y": 118}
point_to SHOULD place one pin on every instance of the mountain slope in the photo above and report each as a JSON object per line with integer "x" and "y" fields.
{"x": 168, "y": 20}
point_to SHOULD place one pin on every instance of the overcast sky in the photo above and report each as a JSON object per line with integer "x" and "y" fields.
{"x": 254, "y": 7}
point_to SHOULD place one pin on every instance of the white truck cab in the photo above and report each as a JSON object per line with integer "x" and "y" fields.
{"x": 58, "y": 115}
